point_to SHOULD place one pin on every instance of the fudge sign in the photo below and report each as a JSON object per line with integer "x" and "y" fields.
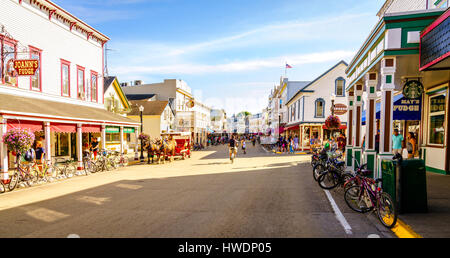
{"x": 26, "y": 67}
{"x": 340, "y": 109}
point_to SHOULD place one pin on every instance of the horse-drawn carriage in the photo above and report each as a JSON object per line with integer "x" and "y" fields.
{"x": 183, "y": 143}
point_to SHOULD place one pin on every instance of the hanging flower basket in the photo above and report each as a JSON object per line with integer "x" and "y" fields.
{"x": 144, "y": 137}
{"x": 18, "y": 140}
{"x": 332, "y": 122}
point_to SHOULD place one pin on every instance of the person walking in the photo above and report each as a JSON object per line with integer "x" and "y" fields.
{"x": 397, "y": 140}
{"x": 411, "y": 145}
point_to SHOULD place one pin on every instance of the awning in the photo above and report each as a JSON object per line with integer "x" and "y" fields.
{"x": 34, "y": 126}
{"x": 63, "y": 128}
{"x": 341, "y": 127}
{"x": 404, "y": 109}
{"x": 38, "y": 108}
{"x": 295, "y": 127}
{"x": 91, "y": 128}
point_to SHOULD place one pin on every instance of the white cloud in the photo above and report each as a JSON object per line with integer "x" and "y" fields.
{"x": 236, "y": 66}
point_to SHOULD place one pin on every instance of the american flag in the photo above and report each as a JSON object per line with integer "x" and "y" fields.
{"x": 288, "y": 66}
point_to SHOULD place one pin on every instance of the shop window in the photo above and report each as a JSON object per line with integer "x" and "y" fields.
{"x": 320, "y": 108}
{"x": 340, "y": 87}
{"x": 65, "y": 78}
{"x": 35, "y": 80}
{"x": 112, "y": 137}
{"x": 94, "y": 88}
{"x": 437, "y": 107}
{"x": 80, "y": 83}
{"x": 8, "y": 73}
{"x": 62, "y": 144}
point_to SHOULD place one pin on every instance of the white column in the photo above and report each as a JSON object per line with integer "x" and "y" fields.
{"x": 388, "y": 67}
{"x": 3, "y": 151}
{"x": 350, "y": 129}
{"x": 104, "y": 137}
{"x": 79, "y": 146}
{"x": 357, "y": 125}
{"x": 122, "y": 143}
{"x": 371, "y": 81}
{"x": 136, "y": 133}
{"x": 48, "y": 142}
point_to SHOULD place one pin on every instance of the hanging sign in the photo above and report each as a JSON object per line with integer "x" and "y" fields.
{"x": 26, "y": 67}
{"x": 128, "y": 130}
{"x": 340, "y": 109}
{"x": 112, "y": 129}
{"x": 413, "y": 89}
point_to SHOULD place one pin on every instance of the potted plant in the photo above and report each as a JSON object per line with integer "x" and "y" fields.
{"x": 18, "y": 140}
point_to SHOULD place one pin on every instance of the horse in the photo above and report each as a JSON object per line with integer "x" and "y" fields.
{"x": 152, "y": 150}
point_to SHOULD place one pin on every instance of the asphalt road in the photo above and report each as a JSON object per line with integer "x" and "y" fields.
{"x": 260, "y": 195}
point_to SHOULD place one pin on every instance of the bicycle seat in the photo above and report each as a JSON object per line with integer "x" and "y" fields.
{"x": 340, "y": 163}
{"x": 366, "y": 172}
{"x": 378, "y": 180}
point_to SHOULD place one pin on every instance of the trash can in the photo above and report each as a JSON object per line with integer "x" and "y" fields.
{"x": 388, "y": 175}
{"x": 405, "y": 181}
{"x": 413, "y": 186}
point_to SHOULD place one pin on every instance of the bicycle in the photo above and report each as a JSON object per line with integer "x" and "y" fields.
{"x": 67, "y": 167}
{"x": 120, "y": 159}
{"x": 21, "y": 174}
{"x": 89, "y": 165}
{"x": 2, "y": 187}
{"x": 233, "y": 154}
{"x": 368, "y": 196}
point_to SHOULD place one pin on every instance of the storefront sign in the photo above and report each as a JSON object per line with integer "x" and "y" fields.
{"x": 437, "y": 104}
{"x": 413, "y": 89}
{"x": 407, "y": 109}
{"x": 435, "y": 44}
{"x": 26, "y": 67}
{"x": 340, "y": 109}
{"x": 128, "y": 130}
{"x": 112, "y": 129}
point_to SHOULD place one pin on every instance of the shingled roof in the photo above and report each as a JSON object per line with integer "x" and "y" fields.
{"x": 151, "y": 108}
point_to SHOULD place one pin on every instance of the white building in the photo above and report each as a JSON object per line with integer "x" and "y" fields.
{"x": 256, "y": 123}
{"x": 218, "y": 120}
{"x": 311, "y": 105}
{"x": 63, "y": 100}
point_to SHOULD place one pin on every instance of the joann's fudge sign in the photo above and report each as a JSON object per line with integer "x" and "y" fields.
{"x": 26, "y": 67}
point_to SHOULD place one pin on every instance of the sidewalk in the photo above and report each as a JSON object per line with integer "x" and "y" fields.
{"x": 435, "y": 223}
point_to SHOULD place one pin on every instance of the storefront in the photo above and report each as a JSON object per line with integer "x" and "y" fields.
{"x": 63, "y": 131}
{"x": 112, "y": 138}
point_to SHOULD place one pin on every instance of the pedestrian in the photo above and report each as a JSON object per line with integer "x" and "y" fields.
{"x": 411, "y": 145}
{"x": 377, "y": 142}
{"x": 295, "y": 143}
{"x": 243, "y": 146}
{"x": 397, "y": 140}
{"x": 94, "y": 147}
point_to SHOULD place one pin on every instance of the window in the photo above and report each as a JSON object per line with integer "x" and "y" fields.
{"x": 80, "y": 83}
{"x": 35, "y": 80}
{"x": 320, "y": 108}
{"x": 298, "y": 113}
{"x": 340, "y": 85}
{"x": 437, "y": 107}
{"x": 94, "y": 81}
{"x": 9, "y": 74}
{"x": 65, "y": 78}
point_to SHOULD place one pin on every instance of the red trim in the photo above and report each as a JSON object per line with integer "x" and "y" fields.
{"x": 75, "y": 18}
{"x": 427, "y": 30}
{"x": 96, "y": 88}
{"x": 39, "y": 51}
{"x": 91, "y": 128}
{"x": 81, "y": 68}
{"x": 66, "y": 63}
{"x": 50, "y": 14}
{"x": 63, "y": 128}
{"x": 433, "y": 25}
{"x": 33, "y": 126}
{"x": 103, "y": 71}
{"x": 72, "y": 24}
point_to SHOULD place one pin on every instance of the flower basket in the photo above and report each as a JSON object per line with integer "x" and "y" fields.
{"x": 144, "y": 137}
{"x": 333, "y": 122}
{"x": 18, "y": 140}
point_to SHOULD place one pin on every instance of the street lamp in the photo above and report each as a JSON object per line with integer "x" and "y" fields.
{"x": 141, "y": 109}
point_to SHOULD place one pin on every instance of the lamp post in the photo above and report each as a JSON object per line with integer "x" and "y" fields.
{"x": 333, "y": 98}
{"x": 141, "y": 109}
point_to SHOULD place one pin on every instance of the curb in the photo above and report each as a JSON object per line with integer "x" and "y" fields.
{"x": 403, "y": 230}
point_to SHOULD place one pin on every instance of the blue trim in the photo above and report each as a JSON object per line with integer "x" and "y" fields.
{"x": 315, "y": 108}
{"x": 343, "y": 86}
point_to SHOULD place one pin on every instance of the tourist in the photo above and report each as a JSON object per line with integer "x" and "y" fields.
{"x": 411, "y": 145}
{"x": 397, "y": 140}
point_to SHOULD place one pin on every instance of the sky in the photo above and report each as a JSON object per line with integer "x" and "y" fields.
{"x": 230, "y": 52}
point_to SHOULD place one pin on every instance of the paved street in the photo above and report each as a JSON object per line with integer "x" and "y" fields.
{"x": 260, "y": 195}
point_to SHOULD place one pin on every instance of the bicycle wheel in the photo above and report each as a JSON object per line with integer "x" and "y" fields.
{"x": 69, "y": 171}
{"x": 318, "y": 169}
{"x": 2, "y": 187}
{"x": 355, "y": 200}
{"x": 386, "y": 211}
{"x": 124, "y": 161}
{"x": 328, "y": 180}
{"x": 13, "y": 182}
{"x": 346, "y": 177}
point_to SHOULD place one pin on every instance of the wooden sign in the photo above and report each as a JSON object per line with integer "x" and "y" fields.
{"x": 26, "y": 67}
{"x": 340, "y": 109}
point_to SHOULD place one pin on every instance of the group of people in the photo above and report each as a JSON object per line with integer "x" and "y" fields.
{"x": 398, "y": 143}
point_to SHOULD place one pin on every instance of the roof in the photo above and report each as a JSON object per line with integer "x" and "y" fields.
{"x": 18, "y": 105}
{"x": 304, "y": 89}
{"x": 108, "y": 82}
{"x": 294, "y": 86}
{"x": 151, "y": 108}
{"x": 112, "y": 80}
{"x": 139, "y": 96}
